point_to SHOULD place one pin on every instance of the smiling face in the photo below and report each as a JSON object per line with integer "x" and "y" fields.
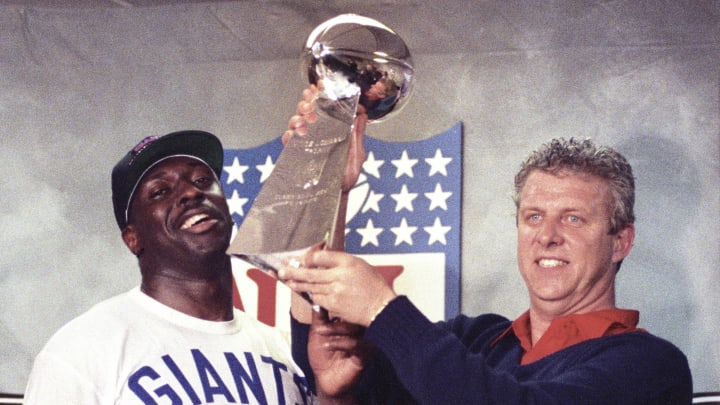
{"x": 566, "y": 254}
{"x": 178, "y": 215}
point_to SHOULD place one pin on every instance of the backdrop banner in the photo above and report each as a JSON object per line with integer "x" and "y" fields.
{"x": 403, "y": 218}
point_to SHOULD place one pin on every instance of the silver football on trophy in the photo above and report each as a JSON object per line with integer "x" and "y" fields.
{"x": 351, "y": 55}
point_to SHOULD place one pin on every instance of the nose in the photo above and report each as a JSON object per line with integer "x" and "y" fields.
{"x": 549, "y": 234}
{"x": 190, "y": 193}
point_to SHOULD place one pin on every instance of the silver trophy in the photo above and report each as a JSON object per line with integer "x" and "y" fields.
{"x": 355, "y": 62}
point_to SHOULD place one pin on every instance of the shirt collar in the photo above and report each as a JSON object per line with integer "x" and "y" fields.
{"x": 568, "y": 330}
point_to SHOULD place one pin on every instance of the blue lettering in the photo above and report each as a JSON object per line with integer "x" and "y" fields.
{"x": 206, "y": 370}
{"x": 277, "y": 366}
{"x": 170, "y": 363}
{"x": 146, "y": 382}
{"x": 242, "y": 378}
{"x": 303, "y": 388}
{"x": 164, "y": 390}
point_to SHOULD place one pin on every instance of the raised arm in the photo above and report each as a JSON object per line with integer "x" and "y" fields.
{"x": 297, "y": 126}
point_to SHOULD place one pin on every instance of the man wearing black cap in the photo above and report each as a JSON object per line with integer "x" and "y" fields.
{"x": 177, "y": 337}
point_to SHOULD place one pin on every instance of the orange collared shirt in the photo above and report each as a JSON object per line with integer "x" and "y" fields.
{"x": 568, "y": 330}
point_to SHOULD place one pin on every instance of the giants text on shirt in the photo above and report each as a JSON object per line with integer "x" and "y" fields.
{"x": 198, "y": 378}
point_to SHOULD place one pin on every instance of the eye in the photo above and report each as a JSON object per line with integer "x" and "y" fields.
{"x": 203, "y": 181}
{"x": 158, "y": 192}
{"x": 574, "y": 219}
{"x": 533, "y": 218}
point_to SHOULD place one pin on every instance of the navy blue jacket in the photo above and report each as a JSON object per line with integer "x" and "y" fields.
{"x": 454, "y": 363}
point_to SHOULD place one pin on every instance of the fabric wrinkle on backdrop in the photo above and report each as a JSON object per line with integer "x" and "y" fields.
{"x": 83, "y": 78}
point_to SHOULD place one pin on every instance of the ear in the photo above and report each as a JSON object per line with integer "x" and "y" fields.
{"x": 624, "y": 240}
{"x": 130, "y": 237}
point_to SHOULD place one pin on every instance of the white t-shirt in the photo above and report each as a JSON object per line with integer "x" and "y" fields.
{"x": 131, "y": 349}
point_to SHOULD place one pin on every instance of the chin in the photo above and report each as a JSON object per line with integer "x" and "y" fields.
{"x": 213, "y": 248}
{"x": 550, "y": 293}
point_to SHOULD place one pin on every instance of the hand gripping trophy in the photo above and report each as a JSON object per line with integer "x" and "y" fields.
{"x": 353, "y": 61}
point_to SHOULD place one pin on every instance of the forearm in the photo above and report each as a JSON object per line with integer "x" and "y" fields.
{"x": 300, "y": 308}
{"x": 427, "y": 360}
{"x": 434, "y": 363}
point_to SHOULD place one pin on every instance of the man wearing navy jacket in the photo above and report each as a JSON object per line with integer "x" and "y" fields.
{"x": 575, "y": 225}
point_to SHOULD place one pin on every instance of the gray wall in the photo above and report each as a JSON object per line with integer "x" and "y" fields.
{"x": 82, "y": 81}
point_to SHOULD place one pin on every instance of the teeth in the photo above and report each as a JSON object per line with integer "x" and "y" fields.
{"x": 551, "y": 262}
{"x": 193, "y": 220}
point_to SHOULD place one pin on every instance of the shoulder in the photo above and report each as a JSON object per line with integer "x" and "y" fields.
{"x": 638, "y": 355}
{"x": 648, "y": 365}
{"x": 645, "y": 348}
{"x": 85, "y": 346}
{"x": 100, "y": 321}
{"x": 637, "y": 344}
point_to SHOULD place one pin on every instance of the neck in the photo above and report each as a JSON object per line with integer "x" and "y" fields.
{"x": 541, "y": 316}
{"x": 205, "y": 293}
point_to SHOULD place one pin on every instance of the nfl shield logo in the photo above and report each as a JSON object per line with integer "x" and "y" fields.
{"x": 403, "y": 218}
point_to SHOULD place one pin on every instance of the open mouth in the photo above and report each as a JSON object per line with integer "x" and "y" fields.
{"x": 195, "y": 221}
{"x": 551, "y": 263}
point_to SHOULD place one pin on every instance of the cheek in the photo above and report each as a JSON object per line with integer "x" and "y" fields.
{"x": 595, "y": 251}
{"x": 221, "y": 204}
{"x": 524, "y": 247}
{"x": 146, "y": 214}
{"x": 216, "y": 195}
{"x": 525, "y": 238}
{"x": 155, "y": 218}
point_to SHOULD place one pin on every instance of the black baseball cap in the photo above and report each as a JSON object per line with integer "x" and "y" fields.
{"x": 128, "y": 172}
